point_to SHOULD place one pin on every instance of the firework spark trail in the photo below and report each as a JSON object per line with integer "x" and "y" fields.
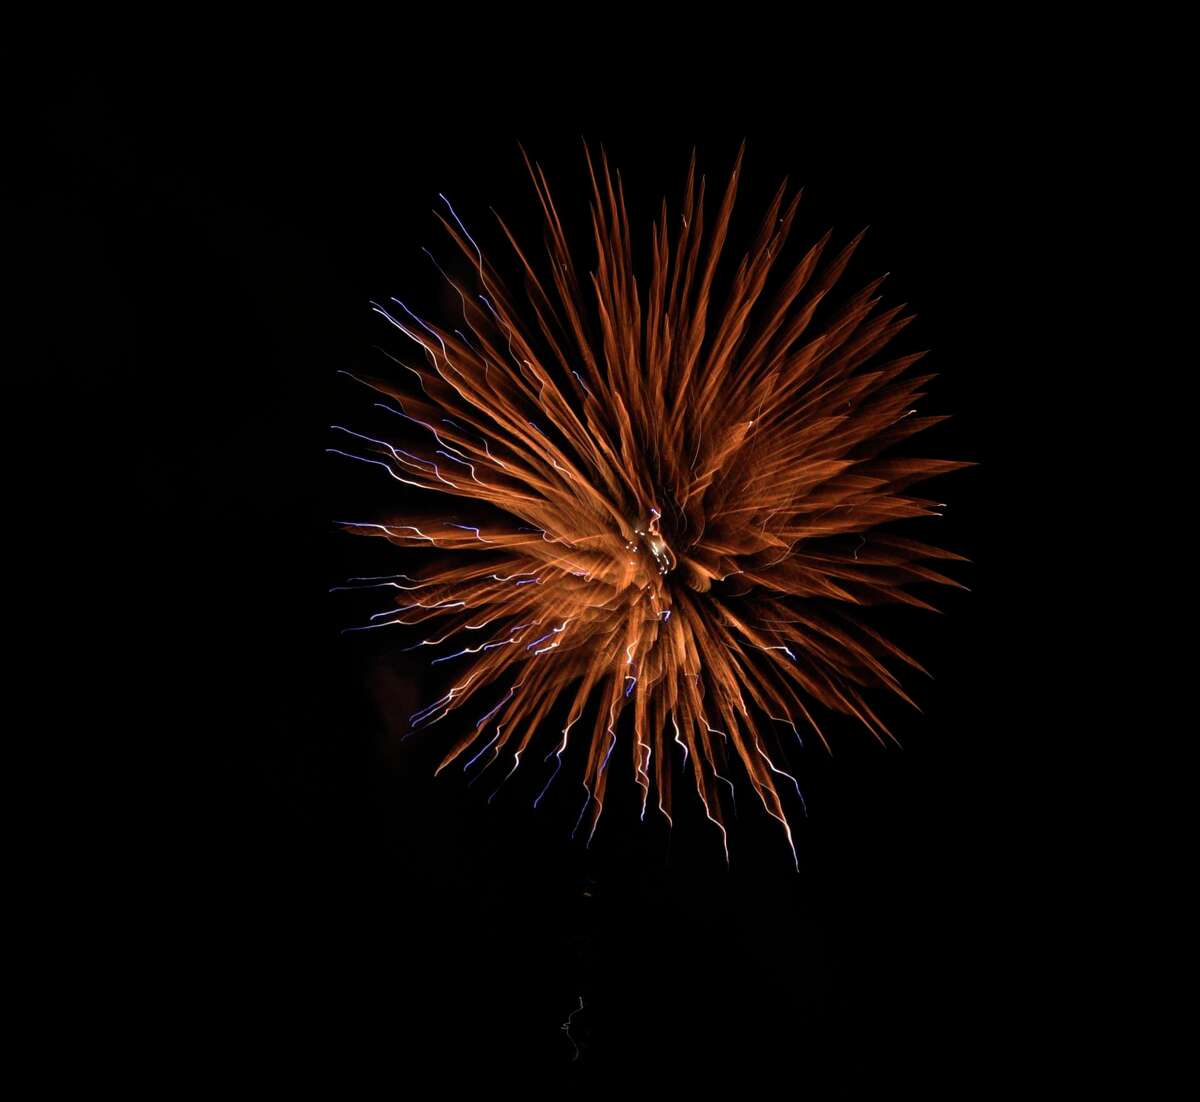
{"x": 687, "y": 531}
{"x": 566, "y": 1028}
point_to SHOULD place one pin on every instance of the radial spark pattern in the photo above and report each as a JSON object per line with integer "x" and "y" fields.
{"x": 669, "y": 502}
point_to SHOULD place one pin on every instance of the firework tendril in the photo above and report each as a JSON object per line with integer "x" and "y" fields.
{"x": 670, "y": 508}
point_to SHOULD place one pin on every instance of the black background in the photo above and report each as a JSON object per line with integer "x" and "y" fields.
{"x": 304, "y": 897}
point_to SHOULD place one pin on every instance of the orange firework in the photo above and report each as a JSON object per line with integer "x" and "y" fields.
{"x": 673, "y": 504}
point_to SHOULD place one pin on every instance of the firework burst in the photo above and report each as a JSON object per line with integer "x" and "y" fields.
{"x": 670, "y": 507}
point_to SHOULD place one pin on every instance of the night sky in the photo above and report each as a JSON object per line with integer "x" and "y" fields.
{"x": 315, "y": 902}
